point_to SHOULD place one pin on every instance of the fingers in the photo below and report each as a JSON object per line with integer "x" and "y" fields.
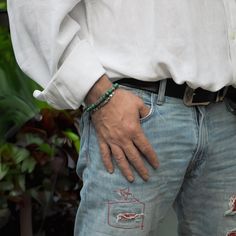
{"x": 142, "y": 143}
{"x": 106, "y": 156}
{"x": 136, "y": 160}
{"x": 131, "y": 153}
{"x": 122, "y": 162}
{"x": 127, "y": 153}
{"x": 144, "y": 110}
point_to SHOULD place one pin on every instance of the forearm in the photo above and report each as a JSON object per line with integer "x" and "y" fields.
{"x": 99, "y": 88}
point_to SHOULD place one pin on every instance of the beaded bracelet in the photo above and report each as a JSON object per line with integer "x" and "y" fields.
{"x": 103, "y": 99}
{"x": 103, "y": 103}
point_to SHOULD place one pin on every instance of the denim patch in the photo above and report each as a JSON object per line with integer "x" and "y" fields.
{"x": 126, "y": 213}
{"x": 231, "y": 233}
{"x": 232, "y": 206}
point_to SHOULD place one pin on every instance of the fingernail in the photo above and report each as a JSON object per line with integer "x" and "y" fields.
{"x": 130, "y": 178}
{"x": 156, "y": 165}
{"x": 146, "y": 177}
{"x": 110, "y": 171}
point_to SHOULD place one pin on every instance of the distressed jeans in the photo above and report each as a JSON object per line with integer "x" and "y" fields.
{"x": 196, "y": 147}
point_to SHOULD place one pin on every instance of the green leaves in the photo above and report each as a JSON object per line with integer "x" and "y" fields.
{"x": 17, "y": 104}
{"x": 19, "y": 154}
{"x": 15, "y": 163}
{"x": 3, "y": 170}
{"x": 28, "y": 165}
{"x": 74, "y": 138}
{"x": 3, "y": 5}
{"x": 12, "y": 157}
{"x": 30, "y": 138}
{"x": 46, "y": 148}
{"x": 6, "y": 185}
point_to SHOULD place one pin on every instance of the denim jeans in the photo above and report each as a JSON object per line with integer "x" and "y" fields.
{"x": 196, "y": 147}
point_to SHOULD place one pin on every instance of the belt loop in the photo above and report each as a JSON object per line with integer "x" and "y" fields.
{"x": 161, "y": 92}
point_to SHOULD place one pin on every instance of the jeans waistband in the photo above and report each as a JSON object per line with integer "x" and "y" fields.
{"x": 189, "y": 96}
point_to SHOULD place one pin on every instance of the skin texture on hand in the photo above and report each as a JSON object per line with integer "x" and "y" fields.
{"x": 119, "y": 132}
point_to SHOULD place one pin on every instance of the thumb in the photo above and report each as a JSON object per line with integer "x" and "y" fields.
{"x": 144, "y": 111}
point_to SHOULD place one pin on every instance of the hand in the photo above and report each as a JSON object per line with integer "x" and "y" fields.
{"x": 120, "y": 134}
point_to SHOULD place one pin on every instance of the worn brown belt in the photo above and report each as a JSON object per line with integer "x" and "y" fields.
{"x": 191, "y": 97}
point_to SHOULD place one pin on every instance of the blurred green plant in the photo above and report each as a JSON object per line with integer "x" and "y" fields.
{"x": 3, "y": 5}
{"x": 45, "y": 145}
{"x": 38, "y": 145}
{"x": 39, "y": 161}
{"x": 16, "y": 102}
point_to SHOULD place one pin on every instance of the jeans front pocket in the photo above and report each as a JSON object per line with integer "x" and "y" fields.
{"x": 147, "y": 97}
{"x": 150, "y": 103}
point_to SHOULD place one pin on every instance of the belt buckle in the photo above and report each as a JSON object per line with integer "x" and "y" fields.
{"x": 188, "y": 98}
{"x": 189, "y": 95}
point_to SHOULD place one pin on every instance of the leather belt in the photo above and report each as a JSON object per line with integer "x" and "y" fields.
{"x": 190, "y": 97}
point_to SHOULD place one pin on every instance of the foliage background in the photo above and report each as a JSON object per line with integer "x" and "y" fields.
{"x": 38, "y": 152}
{"x": 3, "y": 5}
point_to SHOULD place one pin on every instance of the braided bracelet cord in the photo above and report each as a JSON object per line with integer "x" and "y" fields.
{"x": 102, "y": 99}
{"x": 104, "y": 102}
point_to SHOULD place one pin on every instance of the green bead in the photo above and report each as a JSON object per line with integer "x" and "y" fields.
{"x": 103, "y": 99}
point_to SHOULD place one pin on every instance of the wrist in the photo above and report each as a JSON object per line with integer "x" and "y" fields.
{"x": 103, "y": 100}
{"x": 99, "y": 88}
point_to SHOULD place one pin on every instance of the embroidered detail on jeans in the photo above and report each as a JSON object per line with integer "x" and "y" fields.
{"x": 124, "y": 193}
{"x": 231, "y": 233}
{"x": 128, "y": 216}
{"x": 126, "y": 212}
{"x": 232, "y": 206}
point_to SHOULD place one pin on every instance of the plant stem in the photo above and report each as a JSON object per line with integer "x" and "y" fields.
{"x": 26, "y": 217}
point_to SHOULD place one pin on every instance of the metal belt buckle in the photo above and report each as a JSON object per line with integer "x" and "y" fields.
{"x": 188, "y": 98}
{"x": 189, "y": 95}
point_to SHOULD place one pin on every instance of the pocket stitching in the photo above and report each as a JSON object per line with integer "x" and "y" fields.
{"x": 151, "y": 112}
{"x": 138, "y": 92}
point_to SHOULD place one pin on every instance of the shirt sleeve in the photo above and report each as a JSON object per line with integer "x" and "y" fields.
{"x": 49, "y": 50}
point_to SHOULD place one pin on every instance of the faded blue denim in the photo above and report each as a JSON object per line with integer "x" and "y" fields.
{"x": 196, "y": 147}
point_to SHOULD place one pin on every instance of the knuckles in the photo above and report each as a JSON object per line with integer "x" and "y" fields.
{"x": 146, "y": 148}
{"x": 131, "y": 128}
{"x": 119, "y": 158}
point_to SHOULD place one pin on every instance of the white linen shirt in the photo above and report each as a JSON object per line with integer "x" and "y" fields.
{"x": 66, "y": 45}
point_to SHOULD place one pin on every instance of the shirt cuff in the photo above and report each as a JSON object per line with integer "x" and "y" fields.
{"x": 78, "y": 73}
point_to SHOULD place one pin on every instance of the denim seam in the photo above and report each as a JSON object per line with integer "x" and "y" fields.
{"x": 184, "y": 214}
{"x": 87, "y": 142}
{"x": 202, "y": 144}
{"x": 195, "y": 149}
{"x": 87, "y": 151}
{"x": 137, "y": 91}
{"x": 84, "y": 128}
{"x": 134, "y": 90}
